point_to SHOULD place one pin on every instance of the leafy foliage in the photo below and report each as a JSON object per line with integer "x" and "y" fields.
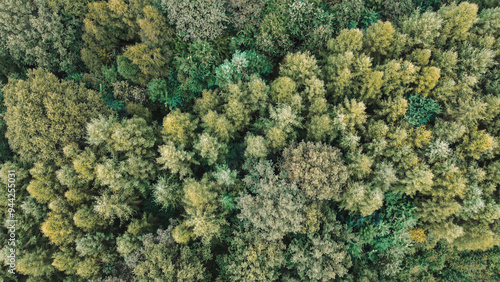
{"x": 250, "y": 140}
{"x": 45, "y": 114}
{"x": 421, "y": 110}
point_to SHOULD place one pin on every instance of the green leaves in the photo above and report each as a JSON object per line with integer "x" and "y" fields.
{"x": 421, "y": 110}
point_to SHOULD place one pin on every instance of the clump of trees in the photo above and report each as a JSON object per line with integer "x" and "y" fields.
{"x": 251, "y": 140}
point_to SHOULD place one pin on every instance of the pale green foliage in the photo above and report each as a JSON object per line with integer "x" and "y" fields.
{"x": 282, "y": 125}
{"x": 475, "y": 62}
{"x": 314, "y": 93}
{"x": 384, "y": 176}
{"x": 428, "y": 79}
{"x": 237, "y": 111}
{"x": 43, "y": 187}
{"x": 160, "y": 258}
{"x": 175, "y": 159}
{"x": 168, "y": 192}
{"x": 419, "y": 179}
{"x": 44, "y": 114}
{"x": 225, "y": 71}
{"x": 320, "y": 127}
{"x": 421, "y": 57}
{"x": 196, "y": 19}
{"x": 321, "y": 256}
{"x": 348, "y": 40}
{"x": 91, "y": 244}
{"x": 338, "y": 68}
{"x": 349, "y": 141}
{"x": 470, "y": 111}
{"x": 225, "y": 176}
{"x": 437, "y": 210}
{"x": 489, "y": 22}
{"x": 473, "y": 203}
{"x": 422, "y": 29}
{"x": 278, "y": 207}
{"x": 257, "y": 93}
{"x": 209, "y": 100}
{"x": 252, "y": 258}
{"x": 394, "y": 109}
{"x": 449, "y": 132}
{"x": 88, "y": 219}
{"x": 352, "y": 113}
{"x": 209, "y": 148}
{"x": 119, "y": 163}
{"x": 398, "y": 76}
{"x": 256, "y": 146}
{"x": 477, "y": 237}
{"x": 234, "y": 70}
{"x": 218, "y": 125}
{"x": 361, "y": 198}
{"x": 35, "y": 264}
{"x": 224, "y": 113}
{"x": 300, "y": 67}
{"x": 179, "y": 127}
{"x": 203, "y": 219}
{"x": 284, "y": 90}
{"x": 360, "y": 164}
{"x": 317, "y": 169}
{"x": 111, "y": 206}
{"x": 438, "y": 150}
{"x": 59, "y": 229}
{"x": 352, "y": 74}
{"x": 132, "y": 136}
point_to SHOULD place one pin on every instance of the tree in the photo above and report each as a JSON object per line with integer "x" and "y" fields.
{"x": 196, "y": 19}
{"x": 362, "y": 198}
{"x": 175, "y": 159}
{"x": 204, "y": 218}
{"x": 317, "y": 169}
{"x": 251, "y": 258}
{"x": 379, "y": 39}
{"x": 421, "y": 110}
{"x": 241, "y": 67}
{"x": 209, "y": 148}
{"x": 45, "y": 114}
{"x": 256, "y": 147}
{"x": 277, "y": 209}
{"x": 168, "y": 192}
{"x": 36, "y": 264}
{"x": 35, "y": 36}
{"x": 179, "y": 127}
{"x": 158, "y": 257}
{"x": 320, "y": 256}
{"x": 282, "y": 126}
{"x": 107, "y": 25}
{"x": 457, "y": 22}
{"x": 245, "y": 12}
{"x": 196, "y": 71}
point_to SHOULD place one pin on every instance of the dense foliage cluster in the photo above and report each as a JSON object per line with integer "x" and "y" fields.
{"x": 251, "y": 140}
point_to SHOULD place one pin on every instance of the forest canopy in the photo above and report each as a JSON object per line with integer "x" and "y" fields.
{"x": 250, "y": 140}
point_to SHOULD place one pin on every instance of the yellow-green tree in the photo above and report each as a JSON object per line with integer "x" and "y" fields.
{"x": 45, "y": 114}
